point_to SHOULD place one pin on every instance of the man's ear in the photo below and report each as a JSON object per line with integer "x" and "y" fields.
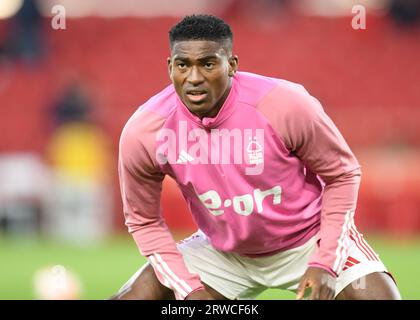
{"x": 169, "y": 66}
{"x": 233, "y": 65}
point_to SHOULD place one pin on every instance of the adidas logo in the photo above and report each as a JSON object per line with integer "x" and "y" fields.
{"x": 184, "y": 157}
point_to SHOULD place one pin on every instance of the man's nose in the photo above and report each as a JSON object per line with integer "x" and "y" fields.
{"x": 195, "y": 77}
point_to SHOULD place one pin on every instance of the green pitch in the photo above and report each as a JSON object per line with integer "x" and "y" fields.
{"x": 104, "y": 267}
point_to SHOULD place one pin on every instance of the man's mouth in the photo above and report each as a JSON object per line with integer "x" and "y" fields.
{"x": 196, "y": 96}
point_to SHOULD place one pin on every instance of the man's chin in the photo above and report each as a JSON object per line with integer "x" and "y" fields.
{"x": 199, "y": 110}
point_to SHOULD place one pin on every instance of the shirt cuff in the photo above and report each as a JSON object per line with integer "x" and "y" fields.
{"x": 195, "y": 290}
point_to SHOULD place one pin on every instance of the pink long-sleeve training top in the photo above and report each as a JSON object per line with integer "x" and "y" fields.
{"x": 266, "y": 174}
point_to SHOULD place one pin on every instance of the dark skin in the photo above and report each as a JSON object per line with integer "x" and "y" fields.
{"x": 377, "y": 286}
{"x": 201, "y": 72}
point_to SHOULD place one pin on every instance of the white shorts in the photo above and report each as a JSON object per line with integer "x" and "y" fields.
{"x": 238, "y": 277}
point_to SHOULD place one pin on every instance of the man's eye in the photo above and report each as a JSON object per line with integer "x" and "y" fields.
{"x": 181, "y": 65}
{"x": 209, "y": 65}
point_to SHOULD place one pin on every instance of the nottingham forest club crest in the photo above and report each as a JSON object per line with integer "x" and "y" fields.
{"x": 255, "y": 151}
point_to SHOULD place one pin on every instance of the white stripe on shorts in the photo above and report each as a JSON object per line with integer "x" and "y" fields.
{"x": 343, "y": 242}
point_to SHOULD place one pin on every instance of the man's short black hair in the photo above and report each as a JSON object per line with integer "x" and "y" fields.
{"x": 201, "y": 27}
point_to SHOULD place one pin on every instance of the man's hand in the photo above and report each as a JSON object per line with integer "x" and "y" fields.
{"x": 320, "y": 281}
{"x": 200, "y": 295}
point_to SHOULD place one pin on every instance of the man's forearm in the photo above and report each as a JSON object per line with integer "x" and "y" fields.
{"x": 337, "y": 215}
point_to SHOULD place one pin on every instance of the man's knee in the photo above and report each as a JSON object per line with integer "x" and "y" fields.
{"x": 144, "y": 285}
{"x": 374, "y": 286}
